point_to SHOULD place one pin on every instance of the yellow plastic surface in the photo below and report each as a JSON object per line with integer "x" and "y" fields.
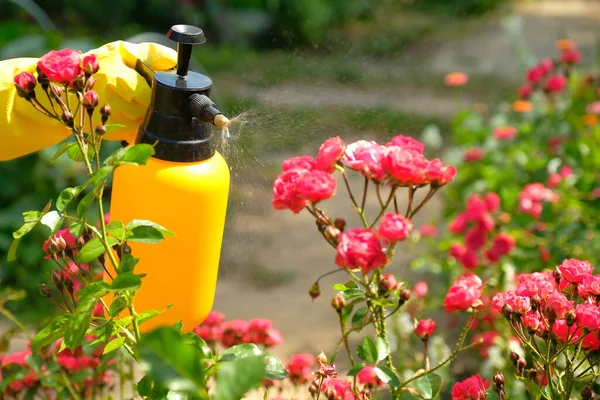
{"x": 189, "y": 199}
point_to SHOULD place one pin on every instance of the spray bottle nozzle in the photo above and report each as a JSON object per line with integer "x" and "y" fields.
{"x": 186, "y": 36}
{"x": 203, "y": 108}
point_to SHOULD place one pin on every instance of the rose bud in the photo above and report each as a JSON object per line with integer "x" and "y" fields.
{"x": 587, "y": 394}
{"x": 570, "y": 318}
{"x": 90, "y": 99}
{"x": 514, "y": 357}
{"x": 338, "y": 302}
{"x": 67, "y": 118}
{"x": 25, "y": 84}
{"x": 499, "y": 379}
{"x": 315, "y": 291}
{"x": 45, "y": 290}
{"x": 340, "y": 223}
{"x": 425, "y": 328}
{"x": 90, "y": 83}
{"x": 388, "y": 283}
{"x": 101, "y": 130}
{"x": 404, "y": 295}
{"x": 105, "y": 111}
{"x": 90, "y": 64}
{"x": 56, "y": 277}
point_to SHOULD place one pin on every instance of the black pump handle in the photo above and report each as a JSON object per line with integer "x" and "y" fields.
{"x": 186, "y": 36}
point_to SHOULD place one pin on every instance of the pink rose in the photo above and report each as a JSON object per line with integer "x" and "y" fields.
{"x": 516, "y": 304}
{"x": 428, "y": 230}
{"x": 235, "y": 332}
{"x": 365, "y": 157}
{"x": 406, "y": 142}
{"x": 574, "y": 270}
{"x": 563, "y": 331}
{"x": 473, "y": 154}
{"x": 214, "y": 318}
{"x": 505, "y": 132}
{"x": 557, "y": 306}
{"x": 556, "y": 83}
{"x": 590, "y": 286}
{"x": 570, "y": 56}
{"x": 525, "y": 91}
{"x": 299, "y": 162}
{"x": 536, "y": 74}
{"x": 25, "y": 83}
{"x": 476, "y": 238}
{"x": 421, "y": 288}
{"x": 316, "y": 186}
{"x": 360, "y": 248}
{"x": 60, "y": 66}
{"x": 503, "y": 243}
{"x": 438, "y": 173}
{"x": 425, "y": 328}
{"x": 300, "y": 367}
{"x": 337, "y": 389}
{"x": 472, "y": 388}
{"x": 329, "y": 153}
{"x": 406, "y": 166}
{"x": 463, "y": 293}
{"x": 591, "y": 341}
{"x": 285, "y": 191}
{"x": 273, "y": 337}
{"x": 90, "y": 64}
{"x": 588, "y": 316}
{"x": 492, "y": 201}
{"x": 368, "y": 377}
{"x": 395, "y": 227}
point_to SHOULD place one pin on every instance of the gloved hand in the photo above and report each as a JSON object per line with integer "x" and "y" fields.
{"x": 23, "y": 130}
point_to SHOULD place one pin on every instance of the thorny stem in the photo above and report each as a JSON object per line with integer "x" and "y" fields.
{"x": 345, "y": 339}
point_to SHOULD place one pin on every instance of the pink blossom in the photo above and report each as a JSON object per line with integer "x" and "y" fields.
{"x": 525, "y": 91}
{"x": 395, "y": 227}
{"x": 368, "y": 377}
{"x": 438, "y": 173}
{"x": 406, "y": 166}
{"x": 464, "y": 293}
{"x": 591, "y": 341}
{"x": 562, "y": 331}
{"x": 316, "y": 186}
{"x": 406, "y": 142}
{"x": 360, "y": 248}
{"x": 473, "y": 154}
{"x": 557, "y": 305}
{"x": 505, "y": 132}
{"x": 330, "y": 152}
{"x": 285, "y": 191}
{"x": 574, "y": 270}
{"x": 590, "y": 286}
{"x": 421, "y": 288}
{"x": 61, "y": 66}
{"x": 90, "y": 64}
{"x": 472, "y": 388}
{"x": 299, "y": 162}
{"x": 425, "y": 328}
{"x": 300, "y": 367}
{"x": 492, "y": 201}
{"x": 556, "y": 83}
{"x": 365, "y": 157}
{"x": 570, "y": 56}
{"x": 593, "y": 108}
{"x": 516, "y": 304}
{"x": 428, "y": 230}
{"x": 588, "y": 316}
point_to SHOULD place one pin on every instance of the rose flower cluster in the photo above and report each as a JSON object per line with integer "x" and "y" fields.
{"x": 478, "y": 224}
{"x": 561, "y": 305}
{"x": 532, "y": 199}
{"x": 215, "y": 329}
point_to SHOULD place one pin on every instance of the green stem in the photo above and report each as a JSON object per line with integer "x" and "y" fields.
{"x": 68, "y": 383}
{"x": 345, "y": 339}
{"x": 136, "y": 328}
{"x": 364, "y": 198}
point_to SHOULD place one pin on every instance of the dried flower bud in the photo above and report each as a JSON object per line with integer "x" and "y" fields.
{"x": 338, "y": 302}
{"x": 313, "y": 389}
{"x": 507, "y": 310}
{"x": 321, "y": 359}
{"x": 67, "y": 118}
{"x": 105, "y": 111}
{"x": 79, "y": 83}
{"x": 125, "y": 248}
{"x": 90, "y": 83}
{"x": 332, "y": 233}
{"x": 521, "y": 364}
{"x": 56, "y": 277}
{"x": 533, "y": 374}
{"x": 57, "y": 244}
{"x": 340, "y": 223}
{"x": 42, "y": 78}
{"x": 69, "y": 284}
{"x": 90, "y": 99}
{"x": 536, "y": 302}
{"x": 45, "y": 290}
{"x": 570, "y": 318}
{"x": 587, "y": 394}
{"x": 25, "y": 83}
{"x": 499, "y": 379}
{"x": 557, "y": 275}
{"x": 100, "y": 130}
{"x": 514, "y": 357}
{"x": 405, "y": 295}
{"x": 315, "y": 291}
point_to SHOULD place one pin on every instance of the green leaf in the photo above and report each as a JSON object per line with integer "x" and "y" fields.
{"x": 141, "y": 222}
{"x": 31, "y": 219}
{"x": 128, "y": 262}
{"x": 126, "y": 281}
{"x": 354, "y": 293}
{"x": 428, "y": 386}
{"x": 80, "y": 322}
{"x": 50, "y": 333}
{"x": 367, "y": 351}
{"x": 339, "y": 286}
{"x": 358, "y": 319}
{"x": 137, "y": 155}
{"x": 52, "y": 220}
{"x": 199, "y": 343}
{"x": 144, "y": 234}
{"x": 170, "y": 362}
{"x": 387, "y": 376}
{"x": 12, "y": 250}
{"x": 241, "y": 351}
{"x": 237, "y": 378}
{"x": 75, "y": 154}
{"x": 383, "y": 348}
{"x": 117, "y": 306}
{"x": 77, "y": 228}
{"x": 66, "y": 197}
{"x": 356, "y": 369}
{"x": 275, "y": 370}
{"x": 93, "y": 249}
{"x": 85, "y": 203}
{"x": 63, "y": 147}
{"x": 114, "y": 344}
{"x": 142, "y": 317}
{"x": 99, "y": 177}
{"x": 112, "y": 127}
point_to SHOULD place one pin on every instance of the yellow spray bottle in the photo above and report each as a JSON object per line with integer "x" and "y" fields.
{"x": 184, "y": 187}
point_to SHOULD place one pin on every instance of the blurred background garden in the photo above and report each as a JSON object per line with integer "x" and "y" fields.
{"x": 293, "y": 73}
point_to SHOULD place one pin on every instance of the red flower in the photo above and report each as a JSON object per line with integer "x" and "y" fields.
{"x": 425, "y": 328}
{"x": 421, "y": 288}
{"x": 90, "y": 64}
{"x": 316, "y": 186}
{"x": 570, "y": 56}
{"x": 525, "y": 91}
{"x": 503, "y": 243}
{"x": 505, "y": 132}
{"x": 556, "y": 83}
{"x": 574, "y": 270}
{"x": 368, "y": 377}
{"x": 60, "y": 66}
{"x": 329, "y": 154}
{"x": 285, "y": 191}
{"x": 464, "y": 293}
{"x": 588, "y": 316}
{"x": 516, "y": 304}
{"x": 299, "y": 162}
{"x": 590, "y": 286}
{"x": 456, "y": 79}
{"x": 365, "y": 157}
{"x": 214, "y": 318}
{"x": 16, "y": 358}
{"x": 300, "y": 367}
{"x": 476, "y": 238}
{"x": 492, "y": 201}
{"x": 554, "y": 180}
{"x": 459, "y": 224}
{"x": 428, "y": 230}
{"x": 235, "y": 332}
{"x": 395, "y": 227}
{"x": 473, "y": 154}
{"x": 90, "y": 99}
{"x": 536, "y": 74}
{"x": 337, "y": 389}
{"x": 406, "y": 166}
{"x": 406, "y": 142}
{"x": 557, "y": 306}
{"x": 25, "y": 83}
{"x": 273, "y": 337}
{"x": 438, "y": 173}
{"x": 562, "y": 331}
{"x": 360, "y": 248}
{"x": 472, "y": 388}
{"x": 591, "y": 341}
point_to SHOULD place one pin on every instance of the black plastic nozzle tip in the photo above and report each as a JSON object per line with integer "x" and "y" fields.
{"x": 186, "y": 36}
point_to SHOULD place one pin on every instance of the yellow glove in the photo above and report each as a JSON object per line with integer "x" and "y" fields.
{"x": 23, "y": 130}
